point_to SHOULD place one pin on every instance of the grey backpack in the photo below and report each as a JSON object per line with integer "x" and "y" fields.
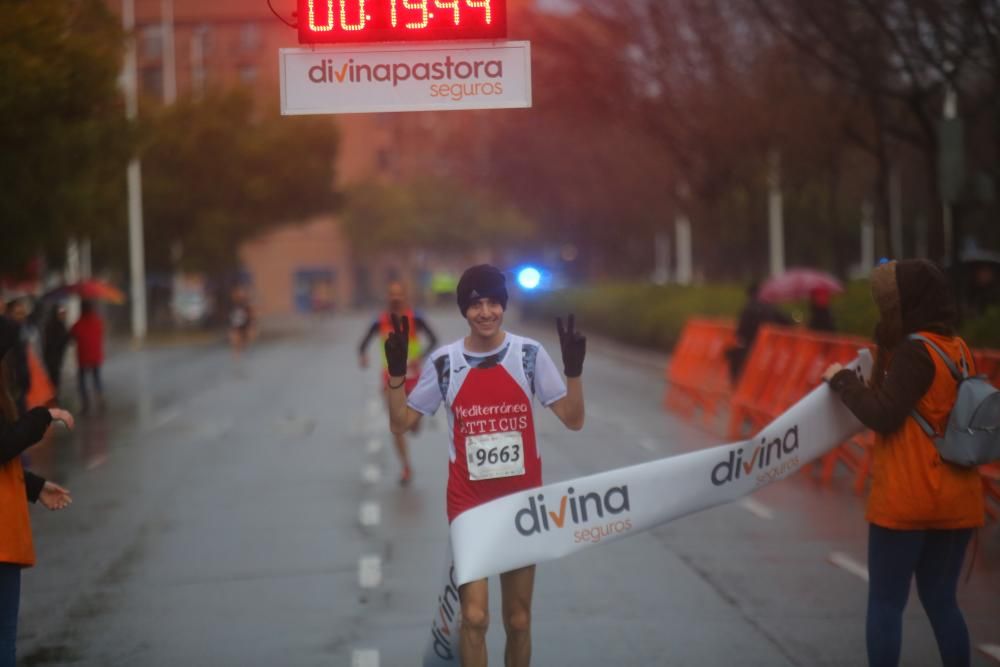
{"x": 972, "y": 436}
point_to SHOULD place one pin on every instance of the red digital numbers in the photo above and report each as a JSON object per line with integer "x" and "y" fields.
{"x": 332, "y": 21}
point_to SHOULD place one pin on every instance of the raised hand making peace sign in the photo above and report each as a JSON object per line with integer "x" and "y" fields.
{"x": 574, "y": 347}
{"x": 396, "y": 346}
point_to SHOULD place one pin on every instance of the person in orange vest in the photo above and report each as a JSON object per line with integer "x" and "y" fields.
{"x": 398, "y": 306}
{"x": 17, "y": 488}
{"x": 921, "y": 510}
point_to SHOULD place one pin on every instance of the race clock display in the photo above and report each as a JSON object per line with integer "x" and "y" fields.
{"x": 343, "y": 21}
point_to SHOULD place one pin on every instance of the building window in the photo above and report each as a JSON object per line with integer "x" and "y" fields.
{"x": 249, "y": 37}
{"x": 152, "y": 42}
{"x": 200, "y": 46}
{"x": 152, "y": 82}
{"x": 201, "y": 40}
{"x": 248, "y": 74}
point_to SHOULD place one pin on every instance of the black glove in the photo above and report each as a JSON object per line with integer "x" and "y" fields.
{"x": 574, "y": 347}
{"x": 396, "y": 346}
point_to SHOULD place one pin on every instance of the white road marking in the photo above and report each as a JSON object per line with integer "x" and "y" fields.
{"x": 370, "y": 514}
{"x": 757, "y": 508}
{"x": 374, "y": 445}
{"x": 365, "y": 658}
{"x": 371, "y": 474}
{"x": 992, "y": 650}
{"x": 374, "y": 407}
{"x": 165, "y": 418}
{"x": 648, "y": 444}
{"x": 845, "y": 562}
{"x": 370, "y": 571}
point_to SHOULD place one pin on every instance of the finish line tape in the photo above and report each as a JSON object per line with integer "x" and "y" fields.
{"x": 557, "y": 520}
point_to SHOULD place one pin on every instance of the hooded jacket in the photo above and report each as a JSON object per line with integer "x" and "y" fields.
{"x": 17, "y": 486}
{"x": 912, "y": 487}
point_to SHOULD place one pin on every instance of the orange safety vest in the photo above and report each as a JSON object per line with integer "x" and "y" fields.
{"x": 414, "y": 349}
{"x": 912, "y": 488}
{"x": 15, "y": 526}
{"x": 41, "y": 393}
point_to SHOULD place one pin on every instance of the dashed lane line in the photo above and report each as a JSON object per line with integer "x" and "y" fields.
{"x": 165, "y": 418}
{"x": 845, "y": 562}
{"x": 371, "y": 474}
{"x": 374, "y": 445}
{"x": 757, "y": 508}
{"x": 369, "y": 514}
{"x": 370, "y": 572}
{"x": 365, "y": 658}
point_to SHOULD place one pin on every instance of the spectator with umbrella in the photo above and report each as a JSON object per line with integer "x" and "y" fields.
{"x": 820, "y": 317}
{"x": 88, "y": 333}
{"x": 755, "y": 313}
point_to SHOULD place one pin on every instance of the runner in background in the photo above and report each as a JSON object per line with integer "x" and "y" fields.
{"x": 242, "y": 323}
{"x": 489, "y": 381}
{"x": 397, "y": 305}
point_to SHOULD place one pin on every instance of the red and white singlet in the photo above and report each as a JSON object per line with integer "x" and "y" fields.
{"x": 492, "y": 446}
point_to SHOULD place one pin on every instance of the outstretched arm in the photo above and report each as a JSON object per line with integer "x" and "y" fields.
{"x": 401, "y": 416}
{"x": 26, "y": 431}
{"x": 362, "y": 353}
{"x": 570, "y": 408}
{"x": 421, "y": 324}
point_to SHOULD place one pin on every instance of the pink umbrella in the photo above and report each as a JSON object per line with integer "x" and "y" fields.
{"x": 797, "y": 284}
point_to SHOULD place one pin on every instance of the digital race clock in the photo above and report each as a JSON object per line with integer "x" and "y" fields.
{"x": 335, "y": 21}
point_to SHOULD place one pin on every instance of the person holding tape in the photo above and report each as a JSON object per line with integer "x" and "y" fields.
{"x": 922, "y": 510}
{"x": 488, "y": 381}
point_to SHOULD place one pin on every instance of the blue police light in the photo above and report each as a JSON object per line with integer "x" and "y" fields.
{"x": 529, "y": 277}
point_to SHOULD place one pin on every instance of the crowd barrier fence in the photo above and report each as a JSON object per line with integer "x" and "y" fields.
{"x": 784, "y": 364}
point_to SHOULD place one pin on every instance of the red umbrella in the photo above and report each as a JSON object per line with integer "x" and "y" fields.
{"x": 797, "y": 284}
{"x": 91, "y": 290}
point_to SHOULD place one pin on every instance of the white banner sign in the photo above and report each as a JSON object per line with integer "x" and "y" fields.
{"x": 559, "y": 519}
{"x": 410, "y": 77}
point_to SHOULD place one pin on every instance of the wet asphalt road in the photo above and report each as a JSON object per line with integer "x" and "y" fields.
{"x": 249, "y": 515}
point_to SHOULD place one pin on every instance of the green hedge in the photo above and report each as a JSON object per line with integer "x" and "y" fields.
{"x": 653, "y": 316}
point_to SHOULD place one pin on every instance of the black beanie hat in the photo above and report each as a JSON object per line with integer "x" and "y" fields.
{"x": 481, "y": 282}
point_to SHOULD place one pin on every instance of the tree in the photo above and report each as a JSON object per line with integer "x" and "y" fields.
{"x": 215, "y": 174}
{"x": 429, "y": 214}
{"x": 63, "y": 132}
{"x": 899, "y": 58}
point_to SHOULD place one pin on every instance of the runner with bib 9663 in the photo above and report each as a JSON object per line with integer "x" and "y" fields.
{"x": 488, "y": 380}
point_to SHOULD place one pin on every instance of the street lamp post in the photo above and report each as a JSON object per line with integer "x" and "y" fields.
{"x": 137, "y": 262}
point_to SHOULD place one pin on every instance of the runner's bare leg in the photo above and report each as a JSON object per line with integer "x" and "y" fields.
{"x": 404, "y": 459}
{"x": 399, "y": 440}
{"x": 516, "y": 588}
{"x": 475, "y": 597}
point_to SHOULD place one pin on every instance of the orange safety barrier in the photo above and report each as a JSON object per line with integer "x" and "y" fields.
{"x": 783, "y": 366}
{"x": 988, "y": 364}
{"x": 786, "y": 364}
{"x": 698, "y": 372}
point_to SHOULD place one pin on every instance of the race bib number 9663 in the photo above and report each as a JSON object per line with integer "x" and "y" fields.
{"x": 493, "y": 455}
